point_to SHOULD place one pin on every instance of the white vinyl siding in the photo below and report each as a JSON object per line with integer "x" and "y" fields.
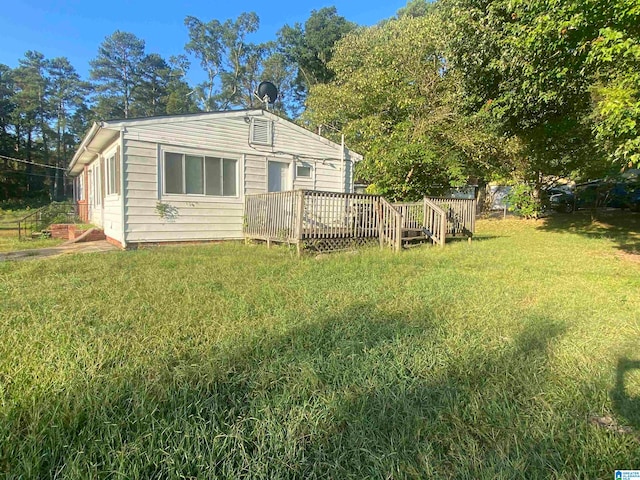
{"x": 211, "y": 216}
{"x": 111, "y": 221}
{"x": 195, "y": 217}
{"x": 105, "y": 211}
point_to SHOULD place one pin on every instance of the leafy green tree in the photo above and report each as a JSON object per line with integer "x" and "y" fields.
{"x": 277, "y": 70}
{"x": 205, "y": 42}
{"x": 151, "y": 90}
{"x": 242, "y": 61}
{"x": 415, "y": 8}
{"x": 395, "y": 100}
{"x": 232, "y": 64}
{"x": 116, "y": 72}
{"x": 615, "y": 57}
{"x": 310, "y": 47}
{"x": 539, "y": 67}
{"x": 180, "y": 94}
{"x": 31, "y": 115}
{"x": 7, "y": 106}
{"x": 8, "y": 182}
{"x": 67, "y": 92}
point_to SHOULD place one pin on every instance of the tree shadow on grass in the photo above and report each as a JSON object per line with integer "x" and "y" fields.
{"x": 476, "y": 238}
{"x": 365, "y": 393}
{"x": 626, "y": 406}
{"x": 622, "y": 227}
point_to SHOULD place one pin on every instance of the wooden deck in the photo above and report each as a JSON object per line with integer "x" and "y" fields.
{"x": 327, "y": 221}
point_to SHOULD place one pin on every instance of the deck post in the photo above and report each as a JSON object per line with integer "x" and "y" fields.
{"x": 299, "y": 221}
{"x": 424, "y": 214}
{"x": 443, "y": 229}
{"x": 380, "y": 223}
{"x": 398, "y": 232}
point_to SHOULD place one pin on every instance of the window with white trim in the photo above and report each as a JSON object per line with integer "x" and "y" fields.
{"x": 91, "y": 183}
{"x": 186, "y": 174}
{"x": 97, "y": 196}
{"x": 303, "y": 171}
{"x": 112, "y": 177}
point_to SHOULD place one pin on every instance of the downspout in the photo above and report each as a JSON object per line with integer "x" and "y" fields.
{"x": 122, "y": 189}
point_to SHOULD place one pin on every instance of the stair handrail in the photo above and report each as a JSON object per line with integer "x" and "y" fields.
{"x": 390, "y": 225}
{"x": 31, "y": 221}
{"x": 23, "y": 222}
{"x": 435, "y": 222}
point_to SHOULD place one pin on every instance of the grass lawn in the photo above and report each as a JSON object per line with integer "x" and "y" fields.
{"x": 9, "y": 241}
{"x": 499, "y": 359}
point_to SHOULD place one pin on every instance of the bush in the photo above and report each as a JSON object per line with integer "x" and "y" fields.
{"x": 523, "y": 201}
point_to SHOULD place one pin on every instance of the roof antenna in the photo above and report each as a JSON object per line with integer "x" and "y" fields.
{"x": 267, "y": 93}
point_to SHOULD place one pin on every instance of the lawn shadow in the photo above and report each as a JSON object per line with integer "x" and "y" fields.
{"x": 458, "y": 423}
{"x": 620, "y": 226}
{"x": 625, "y": 405}
{"x": 476, "y": 238}
{"x": 363, "y": 393}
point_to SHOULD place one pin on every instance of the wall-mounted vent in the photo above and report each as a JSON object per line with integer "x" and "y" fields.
{"x": 261, "y": 131}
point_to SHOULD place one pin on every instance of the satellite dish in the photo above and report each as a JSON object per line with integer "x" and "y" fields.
{"x": 267, "y": 93}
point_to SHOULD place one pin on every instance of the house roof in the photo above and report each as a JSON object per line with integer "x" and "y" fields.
{"x": 101, "y": 134}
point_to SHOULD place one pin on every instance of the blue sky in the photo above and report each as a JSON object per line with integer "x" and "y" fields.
{"x": 75, "y": 28}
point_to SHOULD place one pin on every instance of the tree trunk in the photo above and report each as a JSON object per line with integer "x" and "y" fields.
{"x": 29, "y": 165}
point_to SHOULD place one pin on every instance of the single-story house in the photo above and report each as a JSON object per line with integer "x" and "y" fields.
{"x": 183, "y": 178}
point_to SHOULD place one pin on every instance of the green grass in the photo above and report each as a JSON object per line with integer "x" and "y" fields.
{"x": 230, "y": 361}
{"x": 9, "y": 241}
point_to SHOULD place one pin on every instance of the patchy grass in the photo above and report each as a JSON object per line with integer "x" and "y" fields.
{"x": 513, "y": 357}
{"x": 9, "y": 241}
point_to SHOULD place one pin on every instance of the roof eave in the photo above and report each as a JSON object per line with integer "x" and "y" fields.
{"x": 83, "y": 146}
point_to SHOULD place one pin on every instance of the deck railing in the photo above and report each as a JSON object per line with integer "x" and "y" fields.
{"x": 461, "y": 214}
{"x": 272, "y": 216}
{"x": 412, "y": 214}
{"x": 338, "y": 215}
{"x": 313, "y": 217}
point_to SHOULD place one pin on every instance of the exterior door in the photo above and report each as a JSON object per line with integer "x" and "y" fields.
{"x": 278, "y": 177}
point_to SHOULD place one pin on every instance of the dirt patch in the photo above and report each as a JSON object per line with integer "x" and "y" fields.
{"x": 609, "y": 423}
{"x": 66, "y": 249}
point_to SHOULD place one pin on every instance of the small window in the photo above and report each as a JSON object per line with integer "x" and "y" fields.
{"x": 199, "y": 175}
{"x": 96, "y": 185}
{"x": 303, "y": 171}
{"x": 80, "y": 186}
{"x": 261, "y": 131}
{"x": 112, "y": 177}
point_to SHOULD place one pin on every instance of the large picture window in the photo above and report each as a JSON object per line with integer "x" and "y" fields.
{"x": 200, "y": 175}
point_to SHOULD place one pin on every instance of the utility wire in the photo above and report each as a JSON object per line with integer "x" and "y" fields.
{"x": 23, "y": 172}
{"x": 31, "y": 163}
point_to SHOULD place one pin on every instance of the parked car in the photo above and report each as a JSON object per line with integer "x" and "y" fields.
{"x": 590, "y": 195}
{"x": 620, "y": 194}
{"x": 559, "y": 199}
